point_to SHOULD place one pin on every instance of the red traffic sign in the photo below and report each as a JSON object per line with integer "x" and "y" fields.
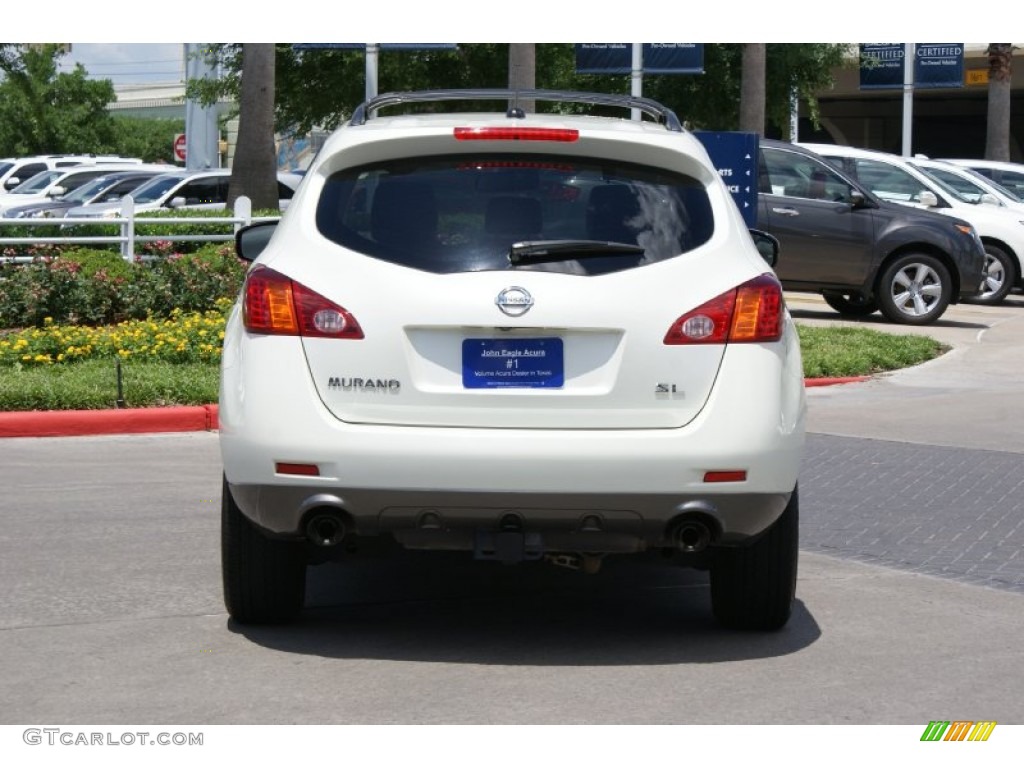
{"x": 179, "y": 147}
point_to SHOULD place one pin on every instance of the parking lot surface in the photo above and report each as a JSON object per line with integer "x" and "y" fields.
{"x": 909, "y": 599}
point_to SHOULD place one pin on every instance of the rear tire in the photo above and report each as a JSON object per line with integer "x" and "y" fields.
{"x": 753, "y": 587}
{"x": 264, "y": 578}
{"x": 850, "y": 304}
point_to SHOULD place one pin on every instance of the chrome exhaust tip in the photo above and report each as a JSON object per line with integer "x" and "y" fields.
{"x": 325, "y": 529}
{"x": 691, "y": 536}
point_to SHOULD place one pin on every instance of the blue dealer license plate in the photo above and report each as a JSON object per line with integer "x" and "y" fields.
{"x": 530, "y": 363}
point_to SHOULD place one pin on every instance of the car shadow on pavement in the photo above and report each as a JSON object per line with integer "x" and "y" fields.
{"x": 531, "y": 615}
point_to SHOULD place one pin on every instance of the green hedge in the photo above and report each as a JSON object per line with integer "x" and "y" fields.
{"x": 96, "y": 287}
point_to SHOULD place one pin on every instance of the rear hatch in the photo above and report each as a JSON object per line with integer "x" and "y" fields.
{"x": 524, "y": 291}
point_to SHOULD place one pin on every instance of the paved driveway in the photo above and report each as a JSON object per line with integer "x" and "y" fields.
{"x": 909, "y": 598}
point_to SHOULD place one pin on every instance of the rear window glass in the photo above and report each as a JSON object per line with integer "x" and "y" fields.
{"x": 464, "y": 213}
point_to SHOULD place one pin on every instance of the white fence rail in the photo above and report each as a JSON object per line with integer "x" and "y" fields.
{"x": 127, "y": 239}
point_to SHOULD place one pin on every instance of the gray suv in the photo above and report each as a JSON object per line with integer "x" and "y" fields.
{"x": 860, "y": 252}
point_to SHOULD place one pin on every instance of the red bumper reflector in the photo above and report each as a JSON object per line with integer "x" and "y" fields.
{"x": 726, "y": 476}
{"x": 286, "y": 468}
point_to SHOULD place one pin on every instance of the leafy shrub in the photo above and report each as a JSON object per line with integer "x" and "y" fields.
{"x": 45, "y": 288}
{"x": 90, "y": 287}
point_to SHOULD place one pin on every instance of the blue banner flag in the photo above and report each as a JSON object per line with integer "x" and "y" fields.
{"x": 936, "y": 65}
{"x": 658, "y": 58}
{"x": 382, "y": 46}
{"x": 939, "y": 65}
{"x": 881, "y": 65}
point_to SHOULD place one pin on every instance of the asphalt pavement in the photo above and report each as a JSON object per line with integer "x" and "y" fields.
{"x": 910, "y": 598}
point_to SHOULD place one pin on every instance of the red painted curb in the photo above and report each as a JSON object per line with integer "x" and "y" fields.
{"x": 125, "y": 421}
{"x": 827, "y": 382}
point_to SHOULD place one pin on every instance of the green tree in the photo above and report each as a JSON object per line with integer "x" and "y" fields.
{"x": 151, "y": 138}
{"x": 712, "y": 101}
{"x": 997, "y": 133}
{"x": 320, "y": 88}
{"x": 43, "y": 111}
{"x": 254, "y": 171}
{"x": 522, "y": 70}
{"x": 752, "y": 87}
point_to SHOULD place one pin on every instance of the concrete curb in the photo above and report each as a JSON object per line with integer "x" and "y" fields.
{"x": 131, "y": 421}
{"x": 828, "y": 382}
{"x": 124, "y": 421}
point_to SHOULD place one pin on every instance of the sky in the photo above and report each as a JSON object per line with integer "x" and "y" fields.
{"x": 128, "y": 63}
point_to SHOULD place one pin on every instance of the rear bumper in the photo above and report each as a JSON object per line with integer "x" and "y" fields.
{"x": 569, "y": 522}
{"x": 437, "y": 488}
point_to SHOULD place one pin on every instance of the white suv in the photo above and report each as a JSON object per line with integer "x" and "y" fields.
{"x": 526, "y": 337}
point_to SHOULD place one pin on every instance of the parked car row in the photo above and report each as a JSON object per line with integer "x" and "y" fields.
{"x": 861, "y": 250}
{"x": 937, "y": 186}
{"x": 108, "y": 187}
{"x": 199, "y": 190}
{"x": 17, "y": 170}
{"x": 95, "y": 190}
{"x": 868, "y": 230}
{"x": 55, "y": 185}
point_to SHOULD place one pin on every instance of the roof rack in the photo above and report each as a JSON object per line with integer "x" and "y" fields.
{"x": 655, "y": 109}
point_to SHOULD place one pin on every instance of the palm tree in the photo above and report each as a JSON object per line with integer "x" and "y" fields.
{"x": 522, "y": 70}
{"x": 997, "y": 135}
{"x": 254, "y": 170}
{"x": 752, "y": 88}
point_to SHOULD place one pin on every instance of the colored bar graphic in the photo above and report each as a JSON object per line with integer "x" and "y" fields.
{"x": 958, "y": 730}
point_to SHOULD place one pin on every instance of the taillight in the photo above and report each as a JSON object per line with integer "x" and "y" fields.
{"x": 516, "y": 134}
{"x": 750, "y": 313}
{"x": 277, "y": 304}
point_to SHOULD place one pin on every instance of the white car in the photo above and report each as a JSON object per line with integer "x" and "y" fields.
{"x": 17, "y": 170}
{"x": 1002, "y": 271}
{"x": 54, "y": 184}
{"x": 969, "y": 184}
{"x": 900, "y": 180}
{"x": 191, "y": 189}
{"x": 524, "y": 337}
{"x": 1005, "y": 174}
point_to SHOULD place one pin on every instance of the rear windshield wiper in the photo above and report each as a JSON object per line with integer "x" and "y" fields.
{"x": 567, "y": 250}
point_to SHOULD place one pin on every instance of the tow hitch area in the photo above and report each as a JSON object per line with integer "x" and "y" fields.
{"x": 508, "y": 546}
{"x": 589, "y": 564}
